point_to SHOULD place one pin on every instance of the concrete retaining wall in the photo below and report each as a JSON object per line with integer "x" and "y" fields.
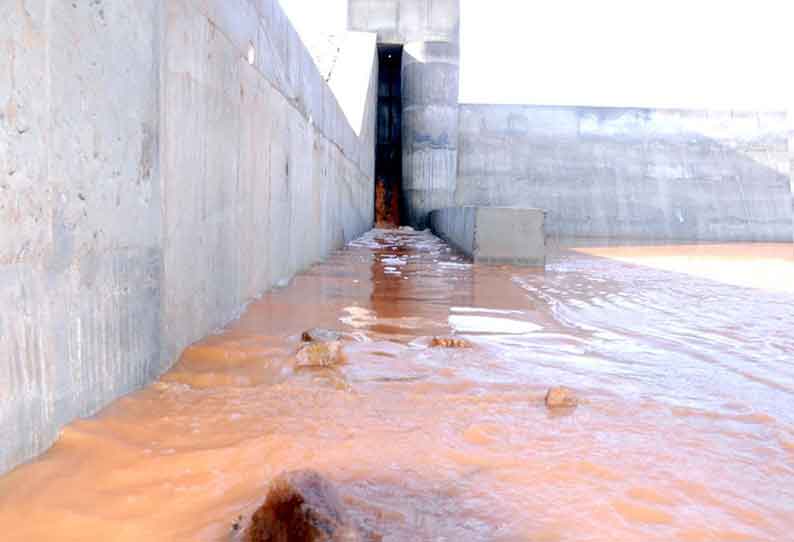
{"x": 631, "y": 173}
{"x": 264, "y": 174}
{"x": 152, "y": 182}
{"x": 80, "y": 212}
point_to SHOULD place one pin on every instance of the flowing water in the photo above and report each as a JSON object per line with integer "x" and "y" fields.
{"x": 683, "y": 358}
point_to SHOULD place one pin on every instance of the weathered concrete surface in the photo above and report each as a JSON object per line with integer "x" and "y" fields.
{"x": 430, "y": 33}
{"x": 790, "y": 114}
{"x": 264, "y": 175}
{"x": 456, "y": 225}
{"x": 80, "y": 201}
{"x": 631, "y": 173}
{"x": 430, "y": 75}
{"x": 152, "y": 182}
{"x": 406, "y": 21}
{"x": 497, "y": 235}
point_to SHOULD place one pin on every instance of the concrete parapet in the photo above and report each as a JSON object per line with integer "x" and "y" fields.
{"x": 509, "y": 235}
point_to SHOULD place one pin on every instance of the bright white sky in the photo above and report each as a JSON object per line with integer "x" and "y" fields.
{"x": 659, "y": 53}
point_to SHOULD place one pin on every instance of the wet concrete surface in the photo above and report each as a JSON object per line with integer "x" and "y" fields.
{"x": 680, "y": 357}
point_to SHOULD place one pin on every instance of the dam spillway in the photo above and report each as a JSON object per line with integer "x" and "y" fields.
{"x": 173, "y": 168}
{"x": 683, "y": 431}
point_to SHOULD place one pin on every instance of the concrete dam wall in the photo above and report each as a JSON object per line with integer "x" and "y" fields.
{"x": 162, "y": 163}
{"x": 631, "y": 173}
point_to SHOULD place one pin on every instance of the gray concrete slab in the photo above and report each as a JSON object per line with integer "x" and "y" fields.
{"x": 80, "y": 221}
{"x": 404, "y": 21}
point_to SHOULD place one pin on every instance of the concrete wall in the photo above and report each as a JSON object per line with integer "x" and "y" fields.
{"x": 80, "y": 220}
{"x": 430, "y": 75}
{"x": 351, "y": 80}
{"x": 790, "y": 114}
{"x": 631, "y": 173}
{"x": 406, "y": 21}
{"x": 264, "y": 175}
{"x": 456, "y": 226}
{"x": 430, "y": 33}
{"x": 151, "y": 183}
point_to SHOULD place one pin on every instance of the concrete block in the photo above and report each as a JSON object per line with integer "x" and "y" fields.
{"x": 496, "y": 235}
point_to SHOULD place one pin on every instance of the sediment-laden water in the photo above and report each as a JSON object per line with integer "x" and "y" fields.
{"x": 683, "y": 358}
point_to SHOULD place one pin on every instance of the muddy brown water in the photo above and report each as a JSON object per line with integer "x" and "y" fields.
{"x": 683, "y": 357}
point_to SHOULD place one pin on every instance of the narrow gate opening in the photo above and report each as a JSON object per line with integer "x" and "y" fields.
{"x": 388, "y": 152}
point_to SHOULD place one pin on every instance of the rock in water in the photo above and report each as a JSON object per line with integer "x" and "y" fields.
{"x": 449, "y": 342}
{"x": 321, "y": 335}
{"x": 320, "y": 354}
{"x": 301, "y": 506}
{"x": 561, "y": 397}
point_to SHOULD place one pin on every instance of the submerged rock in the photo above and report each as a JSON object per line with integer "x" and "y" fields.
{"x": 561, "y": 397}
{"x": 320, "y": 354}
{"x": 328, "y": 377}
{"x": 322, "y": 335}
{"x": 449, "y": 342}
{"x": 301, "y": 506}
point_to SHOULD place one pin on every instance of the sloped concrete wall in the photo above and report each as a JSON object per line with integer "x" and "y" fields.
{"x": 80, "y": 212}
{"x": 152, "y": 182}
{"x": 631, "y": 173}
{"x": 263, "y": 173}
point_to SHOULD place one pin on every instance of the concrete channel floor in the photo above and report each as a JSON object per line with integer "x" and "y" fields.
{"x": 683, "y": 431}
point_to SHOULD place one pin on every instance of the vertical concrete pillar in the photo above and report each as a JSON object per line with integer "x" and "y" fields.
{"x": 429, "y": 31}
{"x": 430, "y": 77}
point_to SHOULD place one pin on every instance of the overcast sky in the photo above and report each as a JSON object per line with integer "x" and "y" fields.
{"x": 658, "y": 53}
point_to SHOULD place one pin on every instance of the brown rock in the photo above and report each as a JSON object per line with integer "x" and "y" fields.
{"x": 301, "y": 506}
{"x": 449, "y": 342}
{"x": 320, "y": 354}
{"x": 561, "y": 397}
{"x": 321, "y": 335}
